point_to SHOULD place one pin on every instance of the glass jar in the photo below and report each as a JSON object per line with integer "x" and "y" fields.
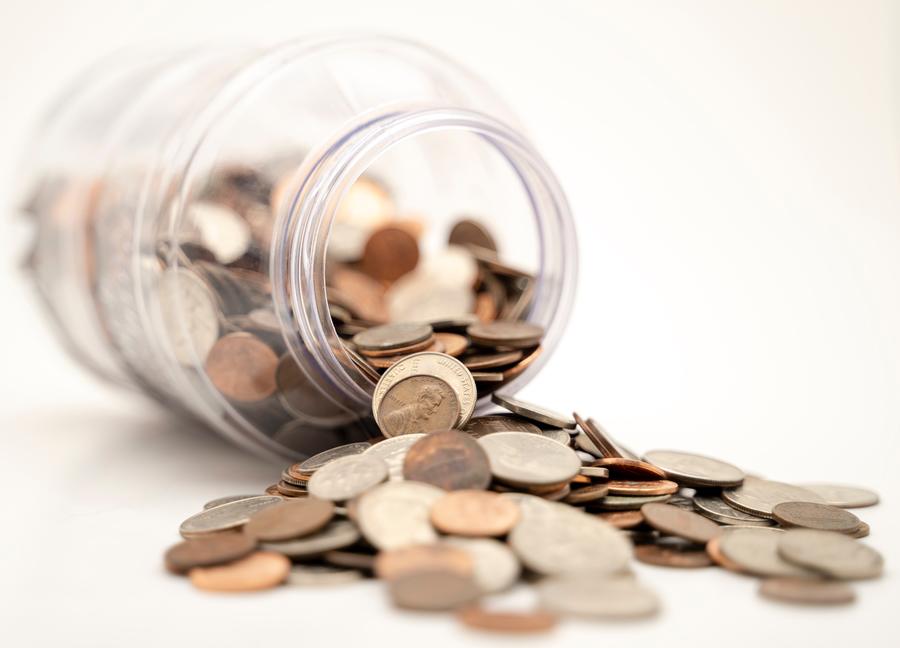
{"x": 186, "y": 197}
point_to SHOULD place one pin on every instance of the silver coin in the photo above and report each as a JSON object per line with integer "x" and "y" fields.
{"x": 347, "y": 477}
{"x": 397, "y": 514}
{"x": 843, "y": 496}
{"x": 228, "y": 499}
{"x": 714, "y": 508}
{"x": 419, "y": 297}
{"x": 496, "y": 567}
{"x": 627, "y": 502}
{"x": 322, "y": 575}
{"x": 524, "y": 459}
{"x": 393, "y": 451}
{"x": 590, "y": 595}
{"x": 479, "y": 426}
{"x": 392, "y": 336}
{"x": 759, "y": 496}
{"x": 560, "y": 436}
{"x": 533, "y": 412}
{"x": 221, "y": 230}
{"x": 428, "y": 363}
{"x": 583, "y": 442}
{"x": 756, "y": 551}
{"x": 586, "y": 459}
{"x": 833, "y": 554}
{"x": 694, "y": 469}
{"x": 189, "y": 314}
{"x": 318, "y": 460}
{"x": 226, "y": 516}
{"x": 686, "y": 503}
{"x": 337, "y": 535}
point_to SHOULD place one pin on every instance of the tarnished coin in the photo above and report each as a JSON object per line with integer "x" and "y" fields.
{"x": 760, "y": 496}
{"x": 288, "y": 520}
{"x": 337, "y": 535}
{"x": 587, "y": 595}
{"x": 534, "y": 412}
{"x": 212, "y": 549}
{"x": 303, "y": 399}
{"x": 468, "y": 232}
{"x": 432, "y": 589}
{"x": 322, "y": 575}
{"x": 807, "y": 591}
{"x": 756, "y": 551}
{"x": 680, "y": 523}
{"x": 530, "y": 622}
{"x": 641, "y": 488}
{"x": 714, "y": 508}
{"x": 496, "y": 567}
{"x": 347, "y": 477}
{"x": 842, "y": 495}
{"x": 833, "y": 554}
{"x": 260, "y": 570}
{"x": 809, "y": 515}
{"x": 507, "y": 334}
{"x": 438, "y": 556}
{"x": 450, "y": 460}
{"x": 481, "y": 425}
{"x": 242, "y": 367}
{"x": 189, "y": 315}
{"x": 315, "y": 462}
{"x": 633, "y": 469}
{"x": 623, "y": 519}
{"x": 454, "y": 343}
{"x": 474, "y": 513}
{"x": 227, "y": 516}
{"x": 416, "y": 405}
{"x": 662, "y": 556}
{"x": 392, "y": 336}
{"x": 524, "y": 459}
{"x": 393, "y": 452}
{"x": 627, "y": 502}
{"x": 228, "y": 499}
{"x": 695, "y": 470}
{"x": 396, "y": 514}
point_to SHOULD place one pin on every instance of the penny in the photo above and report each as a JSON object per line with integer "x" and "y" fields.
{"x": 395, "y": 354}
{"x": 694, "y": 469}
{"x": 228, "y": 499}
{"x": 623, "y": 519}
{"x": 474, "y": 513}
{"x": 714, "y": 508}
{"x": 843, "y": 496}
{"x": 756, "y": 551}
{"x": 534, "y": 412}
{"x": 315, "y": 462}
{"x": 397, "y": 514}
{"x": 815, "y": 516}
{"x": 454, "y": 344}
{"x": 652, "y": 554}
{"x": 481, "y": 425}
{"x": 290, "y": 519}
{"x": 350, "y": 559}
{"x": 760, "y": 496}
{"x": 336, "y": 535}
{"x": 524, "y": 459}
{"x": 586, "y": 494}
{"x": 597, "y": 442}
{"x": 714, "y": 551}
{"x": 833, "y": 554}
{"x": 180, "y": 292}
{"x": 492, "y": 360}
{"x": 586, "y": 595}
{"x": 680, "y": 523}
{"x": 506, "y": 622}
{"x": 362, "y": 291}
{"x": 258, "y": 571}
{"x": 450, "y": 459}
{"x": 390, "y": 253}
{"x": 212, "y": 549}
{"x": 432, "y": 589}
{"x": 496, "y": 567}
{"x": 506, "y": 334}
{"x": 807, "y": 591}
{"x": 388, "y": 337}
{"x": 642, "y": 488}
{"x": 290, "y": 490}
{"x": 393, "y": 452}
{"x": 242, "y": 367}
{"x": 347, "y": 477}
{"x": 322, "y": 575}
{"x": 226, "y": 516}
{"x": 628, "y": 502}
{"x": 470, "y": 232}
{"x": 396, "y": 562}
{"x": 418, "y": 404}
{"x": 629, "y": 469}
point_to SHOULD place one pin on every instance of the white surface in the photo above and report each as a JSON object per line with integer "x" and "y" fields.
{"x": 734, "y": 171}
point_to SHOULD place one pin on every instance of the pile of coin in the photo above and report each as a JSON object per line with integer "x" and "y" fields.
{"x": 450, "y": 510}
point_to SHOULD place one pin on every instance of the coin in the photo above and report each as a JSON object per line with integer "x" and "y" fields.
{"x": 260, "y": 570}
{"x": 714, "y": 508}
{"x": 450, "y": 460}
{"x": 189, "y": 315}
{"x": 474, "y": 513}
{"x": 347, "y": 477}
{"x": 861, "y": 532}
{"x": 629, "y": 469}
{"x": 496, "y": 567}
{"x": 226, "y": 516}
{"x": 390, "y": 253}
{"x": 714, "y": 550}
{"x": 439, "y": 556}
{"x": 432, "y": 589}
{"x": 756, "y": 551}
{"x": 315, "y": 462}
{"x": 594, "y": 472}
{"x": 242, "y": 367}
{"x": 695, "y": 470}
{"x": 300, "y": 397}
{"x": 506, "y": 622}
{"x": 221, "y": 230}
{"x": 595, "y": 440}
{"x": 290, "y": 519}
{"x": 396, "y": 514}
{"x": 815, "y": 516}
{"x": 760, "y": 496}
{"x": 833, "y": 554}
{"x": 363, "y": 293}
{"x": 623, "y": 519}
{"x": 560, "y": 436}
{"x": 680, "y": 523}
{"x": 506, "y": 334}
{"x": 481, "y": 425}
{"x": 586, "y": 494}
{"x": 526, "y": 459}
{"x": 418, "y": 404}
{"x": 454, "y": 344}
{"x": 336, "y": 535}
{"x": 393, "y": 452}
{"x": 212, "y": 549}
{"x": 587, "y": 595}
{"x": 627, "y": 502}
{"x": 388, "y": 337}
{"x": 641, "y": 488}
{"x": 350, "y": 559}
{"x": 534, "y": 412}
{"x": 470, "y": 232}
{"x": 807, "y": 591}
{"x": 654, "y": 554}
{"x": 492, "y": 360}
{"x": 288, "y": 489}
{"x": 843, "y": 496}
{"x": 228, "y": 499}
{"x": 321, "y": 575}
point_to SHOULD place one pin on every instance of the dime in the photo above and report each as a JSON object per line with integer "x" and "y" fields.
{"x": 843, "y": 496}
{"x": 393, "y": 452}
{"x": 468, "y": 232}
{"x": 290, "y": 519}
{"x": 450, "y": 460}
{"x": 594, "y": 472}
{"x": 481, "y": 425}
{"x": 242, "y": 367}
{"x": 439, "y": 556}
{"x": 226, "y": 516}
{"x": 506, "y": 334}
{"x": 587, "y": 595}
{"x": 533, "y": 412}
{"x": 396, "y": 514}
{"x": 807, "y": 591}
{"x": 418, "y": 404}
{"x": 833, "y": 554}
{"x": 634, "y": 469}
{"x": 259, "y": 570}
{"x": 337, "y": 535}
{"x": 641, "y": 488}
{"x": 319, "y": 575}
{"x": 756, "y": 551}
{"x": 432, "y": 589}
{"x": 815, "y": 516}
{"x": 189, "y": 315}
{"x": 714, "y": 508}
{"x": 390, "y": 253}
{"x": 496, "y": 567}
{"x": 492, "y": 360}
{"x": 474, "y": 513}
{"x": 347, "y": 477}
{"x": 454, "y": 344}
{"x": 317, "y": 461}
{"x": 392, "y": 336}
{"x": 628, "y": 503}
{"x": 228, "y": 499}
{"x": 654, "y": 554}
{"x": 212, "y": 549}
{"x": 760, "y": 496}
{"x": 507, "y": 622}
{"x": 695, "y": 470}
{"x": 623, "y": 519}
{"x": 526, "y": 459}
{"x": 680, "y": 523}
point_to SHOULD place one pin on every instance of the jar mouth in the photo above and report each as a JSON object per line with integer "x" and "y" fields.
{"x": 306, "y": 216}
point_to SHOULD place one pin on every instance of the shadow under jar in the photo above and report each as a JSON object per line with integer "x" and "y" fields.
{"x": 213, "y": 226}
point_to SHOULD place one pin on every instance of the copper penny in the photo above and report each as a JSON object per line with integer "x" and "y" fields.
{"x": 680, "y": 523}
{"x": 506, "y": 622}
{"x": 586, "y": 494}
{"x": 300, "y": 396}
{"x": 418, "y": 404}
{"x": 290, "y": 520}
{"x": 470, "y": 232}
{"x": 809, "y": 591}
{"x": 450, "y": 460}
{"x": 363, "y": 294}
{"x": 258, "y": 571}
{"x": 454, "y": 344}
{"x": 714, "y": 550}
{"x": 390, "y": 253}
{"x": 653, "y": 554}
{"x": 492, "y": 360}
{"x": 290, "y": 490}
{"x": 390, "y": 564}
{"x": 242, "y": 367}
{"x": 386, "y": 362}
{"x": 350, "y": 559}
{"x": 623, "y": 519}
{"x": 505, "y": 333}
{"x": 432, "y": 589}
{"x": 650, "y": 487}
{"x": 486, "y": 307}
{"x": 630, "y": 469}
{"x": 597, "y": 436}
{"x": 517, "y": 370}
{"x": 474, "y": 513}
{"x": 205, "y": 551}
{"x": 810, "y": 515}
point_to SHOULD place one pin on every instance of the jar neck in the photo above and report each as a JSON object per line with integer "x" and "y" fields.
{"x": 306, "y": 216}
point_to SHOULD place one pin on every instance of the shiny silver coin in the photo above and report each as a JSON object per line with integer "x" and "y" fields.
{"x": 397, "y": 514}
{"x": 347, "y": 477}
{"x": 842, "y": 495}
{"x": 337, "y": 535}
{"x": 228, "y": 499}
{"x": 626, "y": 502}
{"x": 714, "y": 508}
{"x": 524, "y": 459}
{"x": 695, "y": 470}
{"x": 756, "y": 551}
{"x": 392, "y": 336}
{"x": 315, "y": 462}
{"x": 189, "y": 315}
{"x": 759, "y": 496}
{"x": 833, "y": 554}
{"x": 226, "y": 516}
{"x": 322, "y": 575}
{"x": 393, "y": 451}
{"x": 496, "y": 567}
{"x": 534, "y": 412}
{"x": 590, "y": 595}
{"x": 479, "y": 426}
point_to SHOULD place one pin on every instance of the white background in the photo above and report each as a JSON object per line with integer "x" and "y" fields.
{"x": 734, "y": 172}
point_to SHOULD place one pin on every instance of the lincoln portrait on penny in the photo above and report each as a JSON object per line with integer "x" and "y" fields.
{"x": 412, "y": 418}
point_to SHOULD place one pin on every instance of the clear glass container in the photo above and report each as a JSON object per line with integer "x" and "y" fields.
{"x": 185, "y": 197}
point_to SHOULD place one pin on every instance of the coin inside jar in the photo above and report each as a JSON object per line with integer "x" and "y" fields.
{"x": 418, "y": 404}
{"x": 389, "y": 337}
{"x": 242, "y": 367}
{"x": 506, "y": 333}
